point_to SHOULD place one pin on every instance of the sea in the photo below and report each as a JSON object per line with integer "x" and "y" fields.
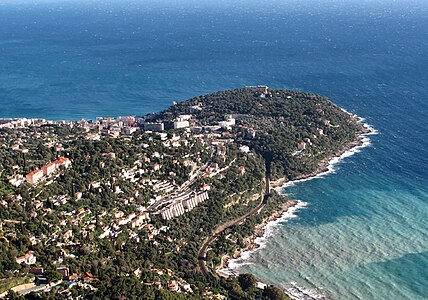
{"x": 361, "y": 230}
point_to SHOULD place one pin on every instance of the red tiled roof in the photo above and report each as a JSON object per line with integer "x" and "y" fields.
{"x": 61, "y": 160}
{"x": 34, "y": 172}
{"x": 25, "y": 256}
{"x": 49, "y": 165}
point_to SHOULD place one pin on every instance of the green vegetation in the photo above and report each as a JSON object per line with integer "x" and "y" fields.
{"x": 281, "y": 120}
{"x": 115, "y": 177}
{"x": 8, "y": 283}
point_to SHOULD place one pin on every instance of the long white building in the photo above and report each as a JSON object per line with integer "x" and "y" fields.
{"x": 182, "y": 204}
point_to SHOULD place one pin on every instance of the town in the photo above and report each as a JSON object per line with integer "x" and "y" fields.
{"x": 169, "y": 199}
{"x": 129, "y": 182}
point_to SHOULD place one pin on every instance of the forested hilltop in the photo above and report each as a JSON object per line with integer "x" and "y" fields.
{"x": 121, "y": 208}
{"x": 296, "y": 130}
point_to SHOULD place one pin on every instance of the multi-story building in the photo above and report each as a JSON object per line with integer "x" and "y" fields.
{"x": 150, "y": 126}
{"x": 173, "y": 210}
{"x": 34, "y": 177}
{"x": 49, "y": 169}
{"x": 181, "y": 124}
{"x": 183, "y": 203}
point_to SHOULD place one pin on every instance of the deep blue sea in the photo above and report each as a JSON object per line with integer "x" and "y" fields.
{"x": 364, "y": 232}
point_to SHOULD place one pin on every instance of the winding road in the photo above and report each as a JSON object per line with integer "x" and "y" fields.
{"x": 202, "y": 257}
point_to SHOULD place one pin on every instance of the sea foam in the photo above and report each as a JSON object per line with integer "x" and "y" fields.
{"x": 292, "y": 289}
{"x": 300, "y": 293}
{"x": 244, "y": 258}
{"x": 331, "y": 168}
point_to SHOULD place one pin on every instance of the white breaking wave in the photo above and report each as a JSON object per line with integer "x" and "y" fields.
{"x": 294, "y": 291}
{"x": 261, "y": 242}
{"x": 335, "y": 160}
{"x": 299, "y": 293}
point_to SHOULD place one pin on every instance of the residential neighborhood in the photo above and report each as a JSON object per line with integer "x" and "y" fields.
{"x": 87, "y": 204}
{"x": 158, "y": 191}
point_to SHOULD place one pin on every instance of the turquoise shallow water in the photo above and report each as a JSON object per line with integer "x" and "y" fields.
{"x": 364, "y": 233}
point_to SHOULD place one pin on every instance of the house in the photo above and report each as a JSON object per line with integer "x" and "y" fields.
{"x": 308, "y": 140}
{"x": 206, "y": 187}
{"x": 163, "y": 136}
{"x": 241, "y": 170}
{"x": 88, "y": 277}
{"x": 62, "y": 162}
{"x": 228, "y": 123}
{"x": 14, "y": 148}
{"x": 33, "y": 240}
{"x": 251, "y": 134}
{"x": 216, "y": 142}
{"x": 244, "y": 149}
{"x": 93, "y": 136}
{"x": 221, "y": 151}
{"x": 59, "y": 148}
{"x": 34, "y": 177}
{"x": 110, "y": 155}
{"x": 263, "y": 89}
{"x": 173, "y": 286}
{"x": 301, "y": 145}
{"x": 126, "y": 220}
{"x": 145, "y": 181}
{"x": 114, "y": 134}
{"x": 119, "y": 214}
{"x": 64, "y": 271}
{"x": 130, "y": 130}
{"x": 139, "y": 220}
{"x": 186, "y": 286}
{"x": 68, "y": 234}
{"x": 129, "y": 120}
{"x": 28, "y": 258}
{"x": 105, "y": 233}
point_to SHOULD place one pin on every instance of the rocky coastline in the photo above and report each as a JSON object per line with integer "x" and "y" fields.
{"x": 260, "y": 229}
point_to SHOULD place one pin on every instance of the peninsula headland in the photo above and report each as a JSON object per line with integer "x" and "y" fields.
{"x": 149, "y": 207}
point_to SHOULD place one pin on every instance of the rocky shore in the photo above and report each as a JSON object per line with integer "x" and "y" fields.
{"x": 325, "y": 163}
{"x": 261, "y": 228}
{"x": 258, "y": 232}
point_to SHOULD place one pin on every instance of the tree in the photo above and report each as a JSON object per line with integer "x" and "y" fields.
{"x": 247, "y": 281}
{"x": 273, "y": 293}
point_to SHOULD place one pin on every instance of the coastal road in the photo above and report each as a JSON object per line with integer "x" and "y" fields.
{"x": 202, "y": 257}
